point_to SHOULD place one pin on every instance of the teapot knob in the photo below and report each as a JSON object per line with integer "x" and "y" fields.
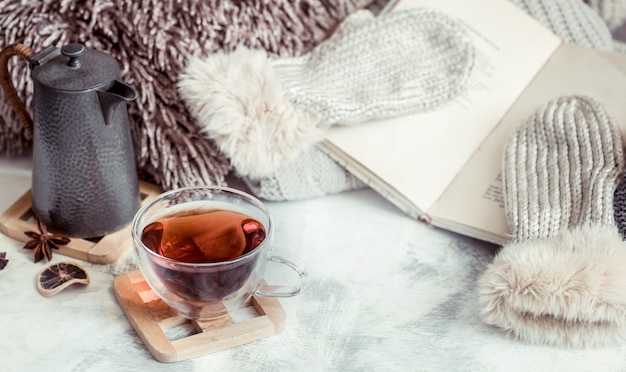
{"x": 73, "y": 51}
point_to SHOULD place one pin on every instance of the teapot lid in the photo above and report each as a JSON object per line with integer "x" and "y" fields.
{"x": 74, "y": 68}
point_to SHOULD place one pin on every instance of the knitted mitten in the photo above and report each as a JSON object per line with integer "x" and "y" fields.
{"x": 264, "y": 112}
{"x": 571, "y": 20}
{"x": 561, "y": 280}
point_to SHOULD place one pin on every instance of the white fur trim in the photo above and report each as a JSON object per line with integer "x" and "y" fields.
{"x": 238, "y": 101}
{"x": 569, "y": 289}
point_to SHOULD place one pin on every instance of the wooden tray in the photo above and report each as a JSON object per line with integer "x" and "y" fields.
{"x": 19, "y": 218}
{"x": 152, "y": 318}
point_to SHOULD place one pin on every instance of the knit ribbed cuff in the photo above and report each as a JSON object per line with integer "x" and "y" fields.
{"x": 567, "y": 290}
{"x": 311, "y": 175}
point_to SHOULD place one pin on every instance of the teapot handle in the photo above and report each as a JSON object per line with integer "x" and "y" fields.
{"x": 5, "y": 80}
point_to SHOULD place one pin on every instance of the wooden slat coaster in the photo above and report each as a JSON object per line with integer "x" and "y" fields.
{"x": 152, "y": 320}
{"x": 19, "y": 218}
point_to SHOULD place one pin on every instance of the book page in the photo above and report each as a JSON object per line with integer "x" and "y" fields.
{"x": 616, "y": 59}
{"x": 474, "y": 202}
{"x": 420, "y": 154}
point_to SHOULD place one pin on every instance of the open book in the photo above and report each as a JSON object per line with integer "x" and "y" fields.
{"x": 444, "y": 167}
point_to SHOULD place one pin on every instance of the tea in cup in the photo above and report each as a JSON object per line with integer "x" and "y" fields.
{"x": 204, "y": 250}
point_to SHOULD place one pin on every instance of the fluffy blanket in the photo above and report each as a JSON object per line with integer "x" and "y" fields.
{"x": 152, "y": 40}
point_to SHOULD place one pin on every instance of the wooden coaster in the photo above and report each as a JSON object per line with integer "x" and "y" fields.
{"x": 19, "y": 218}
{"x": 152, "y": 319}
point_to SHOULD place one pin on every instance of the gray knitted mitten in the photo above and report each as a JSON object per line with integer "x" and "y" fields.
{"x": 571, "y": 20}
{"x": 264, "y": 112}
{"x": 561, "y": 279}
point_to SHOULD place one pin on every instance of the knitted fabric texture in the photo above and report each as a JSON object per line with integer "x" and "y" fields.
{"x": 555, "y": 180}
{"x": 152, "y": 40}
{"x": 337, "y": 84}
{"x": 314, "y": 174}
{"x": 571, "y": 20}
{"x": 371, "y": 67}
{"x": 613, "y": 12}
{"x": 561, "y": 279}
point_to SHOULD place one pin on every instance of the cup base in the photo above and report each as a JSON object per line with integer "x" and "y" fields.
{"x": 151, "y": 319}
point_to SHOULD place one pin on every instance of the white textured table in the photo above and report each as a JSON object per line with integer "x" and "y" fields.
{"x": 385, "y": 293}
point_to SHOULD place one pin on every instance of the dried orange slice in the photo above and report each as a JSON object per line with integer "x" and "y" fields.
{"x": 55, "y": 278}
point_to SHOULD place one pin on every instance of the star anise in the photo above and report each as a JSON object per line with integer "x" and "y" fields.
{"x": 43, "y": 243}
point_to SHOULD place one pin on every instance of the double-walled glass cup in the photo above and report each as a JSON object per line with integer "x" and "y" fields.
{"x": 205, "y": 291}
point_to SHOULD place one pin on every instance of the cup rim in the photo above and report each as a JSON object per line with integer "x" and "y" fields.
{"x": 255, "y": 201}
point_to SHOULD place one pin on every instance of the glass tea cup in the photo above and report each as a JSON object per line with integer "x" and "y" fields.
{"x": 232, "y": 231}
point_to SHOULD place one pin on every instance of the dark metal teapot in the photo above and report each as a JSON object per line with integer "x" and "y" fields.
{"x": 84, "y": 174}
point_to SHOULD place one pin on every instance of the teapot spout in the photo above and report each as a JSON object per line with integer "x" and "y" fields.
{"x": 111, "y": 98}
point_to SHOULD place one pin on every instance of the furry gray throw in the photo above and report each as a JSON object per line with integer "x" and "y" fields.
{"x": 152, "y": 40}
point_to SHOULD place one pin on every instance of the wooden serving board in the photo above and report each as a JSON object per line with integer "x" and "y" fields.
{"x": 19, "y": 218}
{"x": 152, "y": 318}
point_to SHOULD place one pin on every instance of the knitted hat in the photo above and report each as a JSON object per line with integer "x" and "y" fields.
{"x": 263, "y": 112}
{"x": 562, "y": 279}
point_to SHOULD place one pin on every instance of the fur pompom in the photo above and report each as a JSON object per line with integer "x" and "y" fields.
{"x": 239, "y": 102}
{"x": 568, "y": 289}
